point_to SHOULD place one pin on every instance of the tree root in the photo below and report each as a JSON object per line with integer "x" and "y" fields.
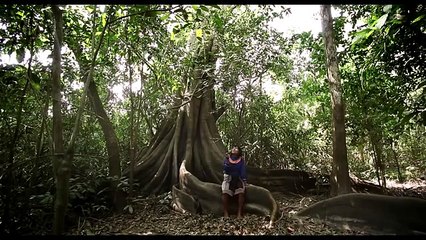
{"x": 196, "y": 196}
{"x": 386, "y": 214}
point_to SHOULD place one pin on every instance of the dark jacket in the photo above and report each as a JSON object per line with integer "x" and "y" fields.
{"x": 235, "y": 170}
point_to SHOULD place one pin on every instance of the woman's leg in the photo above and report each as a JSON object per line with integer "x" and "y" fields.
{"x": 225, "y": 201}
{"x": 240, "y": 205}
{"x": 241, "y": 198}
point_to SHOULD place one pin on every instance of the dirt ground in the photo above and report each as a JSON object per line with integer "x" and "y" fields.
{"x": 154, "y": 216}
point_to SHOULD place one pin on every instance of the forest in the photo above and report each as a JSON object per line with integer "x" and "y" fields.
{"x": 115, "y": 119}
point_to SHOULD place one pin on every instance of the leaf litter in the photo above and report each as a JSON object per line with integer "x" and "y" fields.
{"x": 153, "y": 216}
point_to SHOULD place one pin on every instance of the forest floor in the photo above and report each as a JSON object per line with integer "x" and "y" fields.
{"x": 152, "y": 216}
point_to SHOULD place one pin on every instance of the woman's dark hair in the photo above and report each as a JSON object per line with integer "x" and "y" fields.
{"x": 240, "y": 151}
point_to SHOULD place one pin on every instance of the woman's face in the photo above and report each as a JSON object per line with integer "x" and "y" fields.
{"x": 234, "y": 151}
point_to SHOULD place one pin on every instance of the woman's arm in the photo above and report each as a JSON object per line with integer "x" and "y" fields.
{"x": 225, "y": 165}
{"x": 243, "y": 173}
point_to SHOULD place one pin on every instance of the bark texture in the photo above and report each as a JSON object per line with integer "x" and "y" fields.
{"x": 340, "y": 181}
{"x": 112, "y": 146}
{"x": 196, "y": 196}
{"x": 378, "y": 213}
{"x": 61, "y": 165}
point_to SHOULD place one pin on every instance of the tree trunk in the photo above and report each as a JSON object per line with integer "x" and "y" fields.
{"x": 380, "y": 160}
{"x": 186, "y": 155}
{"x": 361, "y": 152}
{"x": 139, "y": 110}
{"x": 111, "y": 139}
{"x": 190, "y": 133}
{"x": 340, "y": 176}
{"x": 60, "y": 163}
{"x": 376, "y": 162}
{"x": 132, "y": 119}
{"x": 395, "y": 157}
{"x": 40, "y": 139}
{"x": 112, "y": 145}
{"x": 377, "y": 145}
{"x": 113, "y": 148}
{"x": 141, "y": 113}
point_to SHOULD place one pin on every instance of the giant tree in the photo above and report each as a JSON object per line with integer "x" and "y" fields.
{"x": 187, "y": 151}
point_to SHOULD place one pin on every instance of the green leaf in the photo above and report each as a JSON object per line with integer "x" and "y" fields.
{"x": 153, "y": 13}
{"x": 103, "y": 19}
{"x": 369, "y": 33}
{"x": 185, "y": 16}
{"x": 363, "y": 33}
{"x": 165, "y": 16}
{"x": 35, "y": 82}
{"x": 43, "y": 39}
{"x": 381, "y": 21}
{"x": 356, "y": 40}
{"x": 20, "y": 55}
{"x": 115, "y": 37}
{"x": 172, "y": 36}
{"x": 195, "y": 7}
{"x": 35, "y": 86}
{"x": 218, "y": 21}
{"x": 418, "y": 18}
{"x": 204, "y": 8}
{"x": 89, "y": 8}
{"x": 387, "y": 8}
{"x": 199, "y": 33}
{"x": 174, "y": 87}
{"x": 186, "y": 25}
{"x": 176, "y": 29}
{"x": 387, "y": 29}
{"x": 216, "y": 6}
{"x": 38, "y": 42}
